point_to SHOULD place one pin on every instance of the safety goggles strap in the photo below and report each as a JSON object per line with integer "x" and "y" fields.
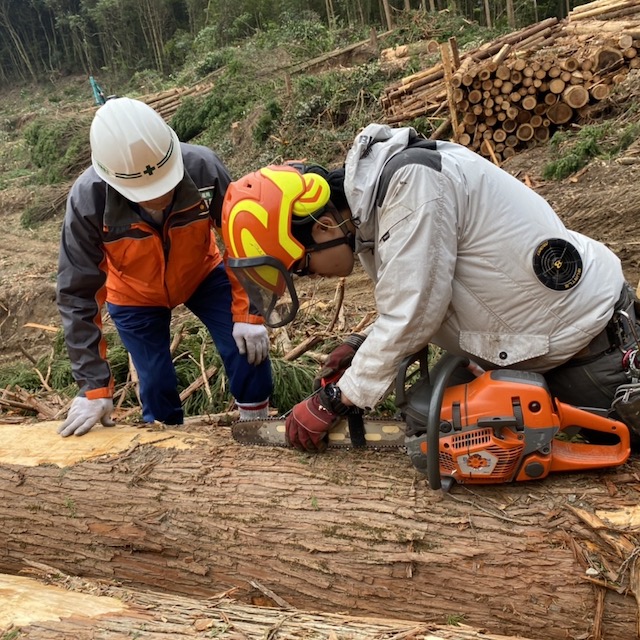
{"x": 302, "y": 266}
{"x": 320, "y": 246}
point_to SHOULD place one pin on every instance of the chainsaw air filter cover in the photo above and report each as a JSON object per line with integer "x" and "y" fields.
{"x": 557, "y": 264}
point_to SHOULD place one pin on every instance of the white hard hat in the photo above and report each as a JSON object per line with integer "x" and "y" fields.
{"x": 134, "y": 150}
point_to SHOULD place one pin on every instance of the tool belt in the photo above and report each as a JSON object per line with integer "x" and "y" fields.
{"x": 618, "y": 334}
{"x": 626, "y": 406}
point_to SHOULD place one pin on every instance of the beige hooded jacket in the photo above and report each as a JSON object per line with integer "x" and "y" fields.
{"x": 453, "y": 243}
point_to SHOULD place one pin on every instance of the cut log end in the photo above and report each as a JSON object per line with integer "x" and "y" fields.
{"x": 576, "y": 96}
{"x": 559, "y": 113}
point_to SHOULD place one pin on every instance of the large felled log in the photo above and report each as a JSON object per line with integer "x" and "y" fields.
{"x": 357, "y": 532}
{"x": 57, "y": 607}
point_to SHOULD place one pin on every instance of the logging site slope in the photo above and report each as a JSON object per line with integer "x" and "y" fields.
{"x": 507, "y": 99}
{"x": 158, "y": 533}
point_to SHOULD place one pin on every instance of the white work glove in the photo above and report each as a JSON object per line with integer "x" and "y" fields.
{"x": 252, "y": 340}
{"x": 84, "y": 413}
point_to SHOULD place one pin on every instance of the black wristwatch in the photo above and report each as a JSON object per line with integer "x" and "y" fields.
{"x": 331, "y": 398}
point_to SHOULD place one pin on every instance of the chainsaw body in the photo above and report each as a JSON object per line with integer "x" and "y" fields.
{"x": 500, "y": 427}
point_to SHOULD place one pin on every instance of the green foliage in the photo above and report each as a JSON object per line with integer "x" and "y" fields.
{"x": 189, "y": 120}
{"x": 240, "y": 27}
{"x": 57, "y": 365}
{"x": 442, "y": 25}
{"x": 306, "y": 36}
{"x": 337, "y": 98}
{"x": 14, "y": 160}
{"x": 20, "y": 374}
{"x": 265, "y": 124}
{"x": 292, "y": 380}
{"x": 574, "y": 156}
{"x": 425, "y": 126}
{"x": 318, "y": 120}
{"x": 58, "y": 146}
{"x": 205, "y": 41}
{"x": 627, "y": 136}
{"x": 575, "y": 151}
{"x": 40, "y": 210}
{"x": 178, "y": 49}
{"x": 228, "y": 102}
{"x": 214, "y": 60}
{"x": 145, "y": 81}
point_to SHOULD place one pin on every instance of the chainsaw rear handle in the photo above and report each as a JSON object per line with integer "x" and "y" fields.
{"x": 446, "y": 368}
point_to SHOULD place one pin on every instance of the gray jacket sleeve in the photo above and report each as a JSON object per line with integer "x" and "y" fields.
{"x": 81, "y": 285}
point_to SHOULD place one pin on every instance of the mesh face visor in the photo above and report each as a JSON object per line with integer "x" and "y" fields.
{"x": 269, "y": 287}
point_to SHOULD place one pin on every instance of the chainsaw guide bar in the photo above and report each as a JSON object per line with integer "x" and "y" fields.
{"x": 379, "y": 433}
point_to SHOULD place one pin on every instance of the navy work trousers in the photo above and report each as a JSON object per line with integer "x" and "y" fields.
{"x": 145, "y": 333}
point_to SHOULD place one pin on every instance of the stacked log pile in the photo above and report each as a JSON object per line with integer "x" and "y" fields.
{"x": 166, "y": 103}
{"x": 515, "y": 92}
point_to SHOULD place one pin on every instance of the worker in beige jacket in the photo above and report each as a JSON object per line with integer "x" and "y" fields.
{"x": 462, "y": 254}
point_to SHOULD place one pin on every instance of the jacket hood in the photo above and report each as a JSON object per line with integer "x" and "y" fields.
{"x": 371, "y": 150}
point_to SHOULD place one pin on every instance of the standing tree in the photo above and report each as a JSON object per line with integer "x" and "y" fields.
{"x": 10, "y": 12}
{"x": 511, "y": 15}
{"x": 387, "y": 14}
{"x": 153, "y": 19}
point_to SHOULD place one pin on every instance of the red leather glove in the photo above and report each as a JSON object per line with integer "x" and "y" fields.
{"x": 339, "y": 360}
{"x": 308, "y": 423}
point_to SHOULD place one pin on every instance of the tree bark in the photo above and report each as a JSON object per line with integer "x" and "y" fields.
{"x": 487, "y": 14}
{"x": 191, "y": 512}
{"x": 387, "y": 14}
{"x": 511, "y": 14}
{"x": 52, "y": 606}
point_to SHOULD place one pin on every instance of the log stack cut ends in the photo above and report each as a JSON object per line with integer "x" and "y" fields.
{"x": 552, "y": 69}
{"x": 552, "y": 90}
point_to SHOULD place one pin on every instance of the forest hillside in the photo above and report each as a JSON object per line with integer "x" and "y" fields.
{"x": 313, "y": 86}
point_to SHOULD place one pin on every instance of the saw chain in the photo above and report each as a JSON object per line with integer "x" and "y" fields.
{"x": 379, "y": 433}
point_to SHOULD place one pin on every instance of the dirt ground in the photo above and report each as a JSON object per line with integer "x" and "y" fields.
{"x": 601, "y": 201}
{"x": 28, "y": 261}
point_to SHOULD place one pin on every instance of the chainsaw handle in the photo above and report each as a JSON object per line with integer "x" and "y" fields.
{"x": 421, "y": 357}
{"x": 446, "y": 368}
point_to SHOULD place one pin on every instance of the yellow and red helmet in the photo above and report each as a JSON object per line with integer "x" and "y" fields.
{"x": 259, "y": 214}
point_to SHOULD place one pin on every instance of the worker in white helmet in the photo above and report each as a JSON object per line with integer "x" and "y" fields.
{"x": 139, "y": 235}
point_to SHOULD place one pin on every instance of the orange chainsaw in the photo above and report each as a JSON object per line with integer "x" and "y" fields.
{"x": 500, "y": 427}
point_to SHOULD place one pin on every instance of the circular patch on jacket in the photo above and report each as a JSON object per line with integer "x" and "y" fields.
{"x": 557, "y": 264}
